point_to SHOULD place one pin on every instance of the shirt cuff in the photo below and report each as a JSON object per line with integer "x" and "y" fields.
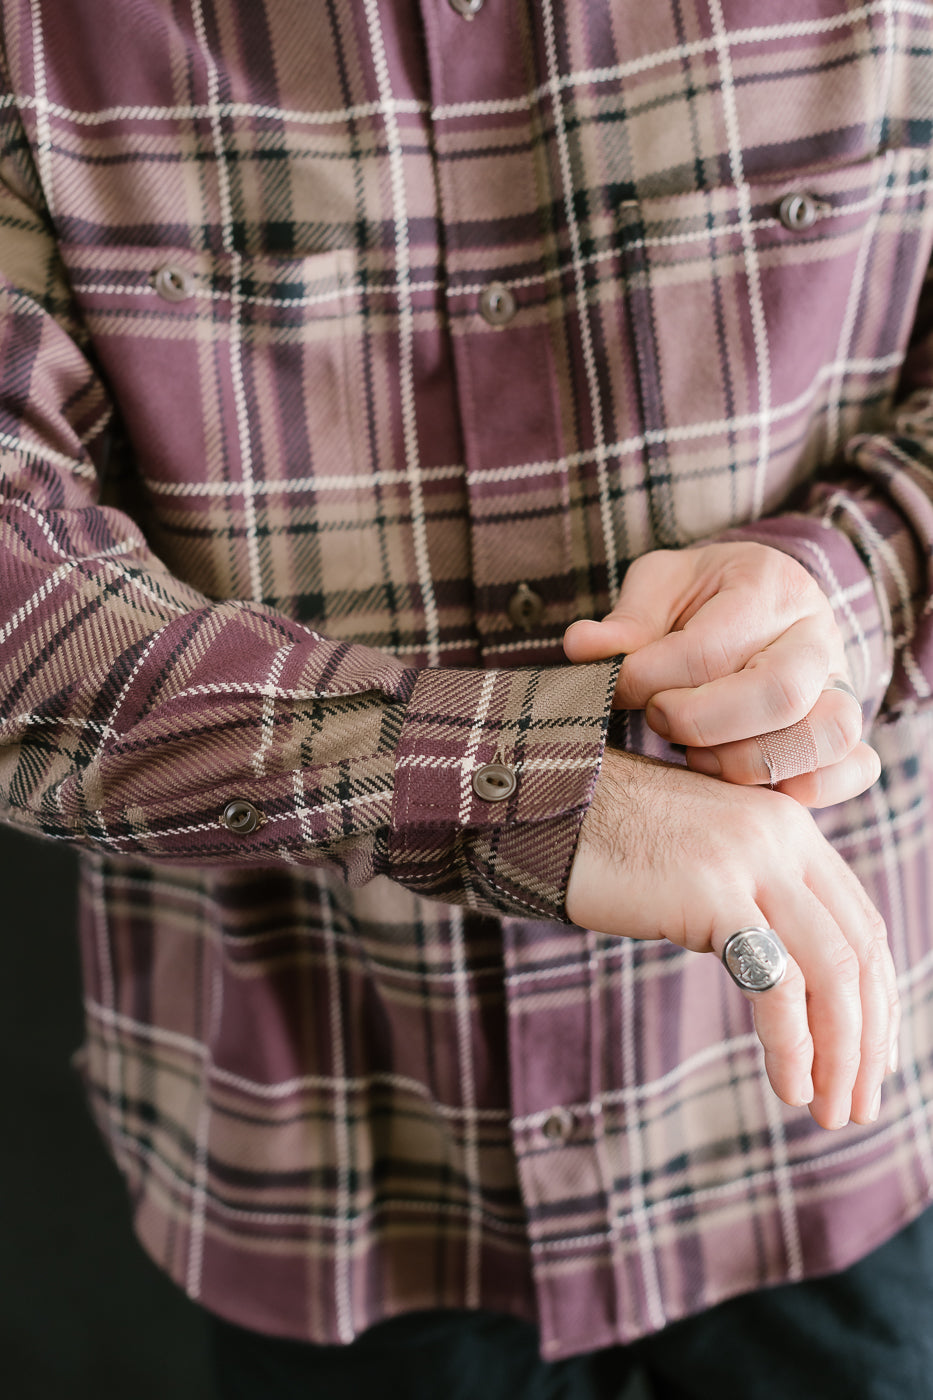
{"x": 494, "y": 772}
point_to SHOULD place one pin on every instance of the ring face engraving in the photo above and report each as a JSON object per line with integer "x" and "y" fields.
{"x": 755, "y": 959}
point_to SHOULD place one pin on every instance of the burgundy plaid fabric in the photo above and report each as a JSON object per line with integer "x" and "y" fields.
{"x": 348, "y": 351}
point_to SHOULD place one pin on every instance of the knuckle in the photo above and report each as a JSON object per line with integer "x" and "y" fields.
{"x": 843, "y": 726}
{"x": 844, "y": 962}
{"x": 707, "y": 658}
{"x": 756, "y": 826}
{"x": 778, "y": 828}
{"x": 694, "y": 727}
{"x": 642, "y": 565}
{"x": 877, "y": 927}
{"x": 794, "y": 584}
{"x": 875, "y": 977}
{"x": 789, "y": 697}
{"x": 794, "y": 821}
{"x": 876, "y": 962}
{"x": 794, "y": 983}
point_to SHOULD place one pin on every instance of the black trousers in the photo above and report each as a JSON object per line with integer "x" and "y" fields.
{"x": 864, "y": 1334}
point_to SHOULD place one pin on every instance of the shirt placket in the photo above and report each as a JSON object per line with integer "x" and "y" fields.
{"x": 491, "y": 196}
{"x": 496, "y": 291}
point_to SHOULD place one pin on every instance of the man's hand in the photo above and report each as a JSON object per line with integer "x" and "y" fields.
{"x": 729, "y": 642}
{"x": 667, "y": 853}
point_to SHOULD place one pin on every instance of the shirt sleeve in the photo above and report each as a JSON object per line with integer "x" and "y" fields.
{"x": 142, "y": 717}
{"x": 864, "y": 531}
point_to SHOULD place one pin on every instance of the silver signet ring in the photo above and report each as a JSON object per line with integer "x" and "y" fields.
{"x": 755, "y": 958}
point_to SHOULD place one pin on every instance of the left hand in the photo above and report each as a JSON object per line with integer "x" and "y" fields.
{"x": 725, "y": 644}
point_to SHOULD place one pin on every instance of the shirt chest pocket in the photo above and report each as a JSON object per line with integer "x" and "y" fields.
{"x": 768, "y": 323}
{"x": 240, "y": 384}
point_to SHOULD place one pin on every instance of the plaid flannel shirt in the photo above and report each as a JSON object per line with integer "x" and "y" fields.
{"x": 348, "y": 352}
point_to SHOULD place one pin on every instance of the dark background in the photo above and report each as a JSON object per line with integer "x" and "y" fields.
{"x": 84, "y": 1315}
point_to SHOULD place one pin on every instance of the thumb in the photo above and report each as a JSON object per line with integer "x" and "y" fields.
{"x": 649, "y": 602}
{"x": 618, "y": 632}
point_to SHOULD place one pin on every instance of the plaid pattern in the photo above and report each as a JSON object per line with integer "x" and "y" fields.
{"x": 270, "y": 480}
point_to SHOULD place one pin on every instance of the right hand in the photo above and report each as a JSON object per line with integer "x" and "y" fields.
{"x": 666, "y": 853}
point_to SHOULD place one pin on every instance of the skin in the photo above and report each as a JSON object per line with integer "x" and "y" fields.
{"x": 724, "y": 643}
{"x": 730, "y": 641}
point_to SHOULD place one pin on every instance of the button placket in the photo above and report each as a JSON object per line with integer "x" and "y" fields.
{"x": 503, "y": 424}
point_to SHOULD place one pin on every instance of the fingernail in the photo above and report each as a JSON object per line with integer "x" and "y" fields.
{"x": 875, "y": 1107}
{"x": 893, "y": 1058}
{"x": 702, "y": 761}
{"x": 658, "y": 721}
{"x": 837, "y": 683}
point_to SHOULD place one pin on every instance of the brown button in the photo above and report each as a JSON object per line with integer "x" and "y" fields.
{"x": 497, "y": 304}
{"x": 798, "y": 212}
{"x": 526, "y": 607}
{"x": 241, "y": 817}
{"x": 558, "y": 1125}
{"x": 466, "y": 9}
{"x": 494, "y": 782}
{"x": 174, "y": 283}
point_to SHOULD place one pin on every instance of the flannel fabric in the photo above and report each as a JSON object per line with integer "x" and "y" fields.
{"x": 324, "y": 328}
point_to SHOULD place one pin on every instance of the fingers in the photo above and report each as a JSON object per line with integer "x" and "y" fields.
{"x": 829, "y": 1029}
{"x": 693, "y": 615}
{"x": 866, "y": 938}
{"x": 732, "y": 635}
{"x": 657, "y": 590}
{"x": 837, "y": 783}
{"x": 721, "y": 643}
{"x": 778, "y": 686}
{"x": 782, "y": 1026}
{"x": 783, "y": 1029}
{"x": 836, "y": 1003}
{"x": 825, "y": 738}
{"x": 840, "y": 972}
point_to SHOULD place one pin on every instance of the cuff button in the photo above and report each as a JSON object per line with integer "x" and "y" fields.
{"x": 494, "y": 782}
{"x": 241, "y": 817}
